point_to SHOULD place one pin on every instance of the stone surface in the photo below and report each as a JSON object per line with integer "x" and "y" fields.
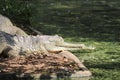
{"x": 7, "y": 26}
{"x": 41, "y": 66}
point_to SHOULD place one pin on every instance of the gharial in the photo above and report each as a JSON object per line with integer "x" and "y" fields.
{"x": 20, "y": 45}
{"x": 24, "y": 45}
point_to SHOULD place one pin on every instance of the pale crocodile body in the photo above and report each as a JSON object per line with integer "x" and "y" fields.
{"x": 42, "y": 43}
{"x": 31, "y": 44}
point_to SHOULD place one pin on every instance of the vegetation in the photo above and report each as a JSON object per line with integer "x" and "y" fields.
{"x": 104, "y": 61}
{"x": 93, "y": 22}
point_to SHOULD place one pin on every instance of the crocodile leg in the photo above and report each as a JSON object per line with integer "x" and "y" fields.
{"x": 54, "y": 49}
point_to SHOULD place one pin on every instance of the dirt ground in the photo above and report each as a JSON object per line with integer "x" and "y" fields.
{"x": 37, "y": 63}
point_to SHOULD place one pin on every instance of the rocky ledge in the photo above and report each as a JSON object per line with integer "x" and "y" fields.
{"x": 41, "y": 66}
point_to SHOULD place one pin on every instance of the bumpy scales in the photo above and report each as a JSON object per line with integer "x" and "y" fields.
{"x": 18, "y": 45}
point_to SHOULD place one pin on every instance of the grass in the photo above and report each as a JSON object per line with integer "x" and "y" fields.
{"x": 103, "y": 62}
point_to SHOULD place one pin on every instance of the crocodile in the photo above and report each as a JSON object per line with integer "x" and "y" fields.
{"x": 14, "y": 45}
{"x": 7, "y": 26}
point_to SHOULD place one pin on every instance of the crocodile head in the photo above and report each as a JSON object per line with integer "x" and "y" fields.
{"x": 57, "y": 43}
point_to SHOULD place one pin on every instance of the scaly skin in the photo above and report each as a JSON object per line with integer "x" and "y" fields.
{"x": 22, "y": 45}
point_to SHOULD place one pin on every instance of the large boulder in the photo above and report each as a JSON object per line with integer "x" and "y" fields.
{"x": 7, "y": 26}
